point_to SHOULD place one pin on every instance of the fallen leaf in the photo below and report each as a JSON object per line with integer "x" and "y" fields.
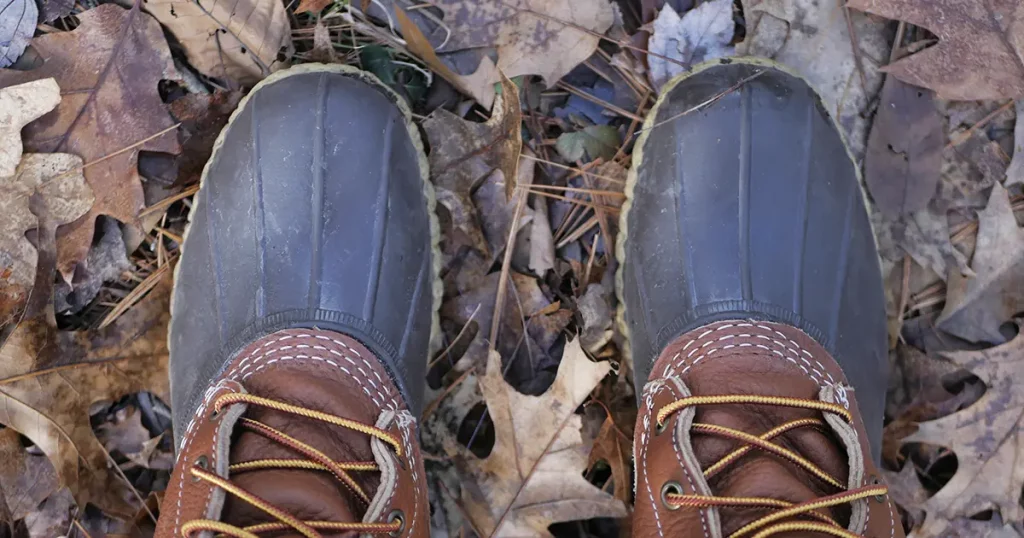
{"x": 701, "y": 34}
{"x": 57, "y": 177}
{"x": 50, "y": 10}
{"x": 25, "y": 479}
{"x": 202, "y": 117}
{"x": 49, "y": 380}
{"x": 907, "y": 492}
{"x": 542, "y": 244}
{"x": 220, "y": 42}
{"x": 595, "y": 309}
{"x": 107, "y": 261}
{"x": 925, "y": 236}
{"x": 976, "y": 306}
{"x": 110, "y": 67}
{"x": 593, "y": 142}
{"x": 811, "y": 37}
{"x": 533, "y": 476}
{"x": 987, "y": 439}
{"x": 615, "y": 449}
{"x": 969, "y": 169}
{"x": 312, "y": 6}
{"x": 420, "y": 46}
{"x": 1015, "y": 173}
{"x": 463, "y": 153}
{"x": 979, "y": 51}
{"x": 904, "y": 150}
{"x": 123, "y": 433}
{"x": 53, "y": 517}
{"x": 532, "y": 37}
{"x": 20, "y": 105}
{"x": 323, "y": 46}
{"x": 17, "y": 24}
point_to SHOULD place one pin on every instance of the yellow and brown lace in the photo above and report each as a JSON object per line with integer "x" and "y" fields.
{"x": 785, "y": 515}
{"x": 313, "y": 460}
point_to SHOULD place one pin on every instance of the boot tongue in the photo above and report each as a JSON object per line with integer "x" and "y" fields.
{"x": 759, "y": 473}
{"x": 306, "y": 495}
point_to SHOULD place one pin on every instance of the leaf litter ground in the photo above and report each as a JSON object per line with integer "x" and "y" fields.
{"x": 530, "y": 190}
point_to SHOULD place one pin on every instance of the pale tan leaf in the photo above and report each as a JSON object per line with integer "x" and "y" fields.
{"x": 26, "y": 480}
{"x": 532, "y": 37}
{"x": 235, "y": 39}
{"x": 987, "y": 438}
{"x": 533, "y": 475}
{"x": 19, "y": 105}
{"x": 57, "y": 177}
{"x": 976, "y": 306}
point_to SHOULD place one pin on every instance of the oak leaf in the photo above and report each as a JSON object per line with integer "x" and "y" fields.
{"x": 108, "y": 68}
{"x": 463, "y": 153}
{"x": 532, "y": 37}
{"x": 49, "y": 379}
{"x": 234, "y": 39}
{"x": 25, "y": 479}
{"x": 533, "y": 476}
{"x": 57, "y": 178}
{"x": 17, "y": 24}
{"x": 987, "y": 438}
{"x": 20, "y": 105}
{"x": 980, "y": 54}
{"x": 976, "y": 306}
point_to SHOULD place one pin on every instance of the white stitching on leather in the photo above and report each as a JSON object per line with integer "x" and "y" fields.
{"x": 686, "y": 470}
{"x": 787, "y": 344}
{"x": 405, "y": 425}
{"x": 649, "y": 404}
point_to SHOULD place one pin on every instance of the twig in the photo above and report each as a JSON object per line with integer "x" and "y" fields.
{"x": 852, "y": 31}
{"x": 577, "y": 171}
{"x": 577, "y": 189}
{"x": 578, "y": 233}
{"x": 598, "y": 101}
{"x": 506, "y": 265}
{"x": 433, "y": 405}
{"x": 981, "y": 123}
{"x": 709, "y": 101}
{"x": 448, "y": 349}
{"x": 574, "y": 200}
{"x": 166, "y": 202}
{"x": 136, "y": 294}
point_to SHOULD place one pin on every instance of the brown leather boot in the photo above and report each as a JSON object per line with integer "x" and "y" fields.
{"x": 750, "y": 428}
{"x": 303, "y": 315}
{"x": 754, "y": 311}
{"x": 303, "y": 434}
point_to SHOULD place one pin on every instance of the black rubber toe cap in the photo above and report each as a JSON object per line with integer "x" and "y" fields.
{"x": 312, "y": 212}
{"x": 749, "y": 206}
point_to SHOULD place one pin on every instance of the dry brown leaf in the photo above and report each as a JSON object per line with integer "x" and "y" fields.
{"x": 907, "y": 492}
{"x": 976, "y": 306}
{"x": 420, "y": 46}
{"x": 533, "y": 475}
{"x": 26, "y": 480}
{"x": 532, "y": 37}
{"x": 109, "y": 67}
{"x": 57, "y": 177}
{"x": 312, "y": 6}
{"x": 987, "y": 438}
{"x": 18, "y": 106}
{"x": 202, "y": 117}
{"x": 463, "y": 153}
{"x": 235, "y": 39}
{"x": 50, "y": 379}
{"x": 980, "y": 49}
{"x": 904, "y": 149}
{"x": 615, "y": 449}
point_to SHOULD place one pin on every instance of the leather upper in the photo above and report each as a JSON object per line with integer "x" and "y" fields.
{"x": 755, "y": 358}
{"x": 318, "y": 370}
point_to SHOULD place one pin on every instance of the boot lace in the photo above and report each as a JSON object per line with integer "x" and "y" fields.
{"x": 785, "y": 515}
{"x": 314, "y": 460}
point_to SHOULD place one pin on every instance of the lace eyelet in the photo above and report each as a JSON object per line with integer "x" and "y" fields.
{"x": 400, "y": 516}
{"x": 875, "y": 481}
{"x": 659, "y": 428}
{"x": 670, "y": 488}
{"x": 203, "y": 462}
{"x": 215, "y": 414}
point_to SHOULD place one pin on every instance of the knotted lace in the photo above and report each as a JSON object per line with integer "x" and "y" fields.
{"x": 313, "y": 460}
{"x": 784, "y": 516}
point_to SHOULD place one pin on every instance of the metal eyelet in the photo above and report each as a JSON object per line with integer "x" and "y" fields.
{"x": 215, "y": 414}
{"x": 400, "y": 516}
{"x": 660, "y": 427}
{"x": 670, "y": 488}
{"x": 875, "y": 481}
{"x": 203, "y": 462}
